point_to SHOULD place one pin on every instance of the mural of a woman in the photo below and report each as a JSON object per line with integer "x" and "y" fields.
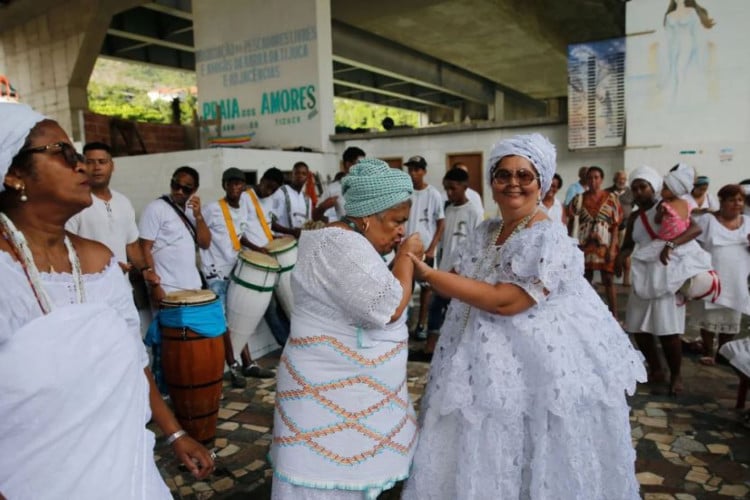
{"x": 686, "y": 58}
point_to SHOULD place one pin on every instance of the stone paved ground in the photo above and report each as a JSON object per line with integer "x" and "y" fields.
{"x": 690, "y": 447}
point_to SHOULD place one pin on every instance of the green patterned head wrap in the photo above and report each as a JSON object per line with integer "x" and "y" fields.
{"x": 372, "y": 186}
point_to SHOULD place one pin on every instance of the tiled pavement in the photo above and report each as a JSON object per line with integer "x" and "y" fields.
{"x": 690, "y": 447}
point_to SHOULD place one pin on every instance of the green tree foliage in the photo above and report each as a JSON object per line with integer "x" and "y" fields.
{"x": 358, "y": 114}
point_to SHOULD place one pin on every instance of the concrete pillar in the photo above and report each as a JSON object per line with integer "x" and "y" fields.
{"x": 48, "y": 55}
{"x": 496, "y": 110}
{"x": 268, "y": 66}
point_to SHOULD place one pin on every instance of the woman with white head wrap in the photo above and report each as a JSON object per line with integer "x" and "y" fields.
{"x": 658, "y": 269}
{"x": 75, "y": 399}
{"x": 344, "y": 427}
{"x": 526, "y": 396}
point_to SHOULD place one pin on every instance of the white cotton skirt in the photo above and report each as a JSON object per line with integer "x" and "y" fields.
{"x": 738, "y": 354}
{"x": 719, "y": 319}
{"x": 660, "y": 316}
{"x": 282, "y": 490}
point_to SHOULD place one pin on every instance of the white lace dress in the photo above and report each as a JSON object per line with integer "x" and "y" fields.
{"x": 344, "y": 426}
{"x": 533, "y": 405}
{"x": 74, "y": 399}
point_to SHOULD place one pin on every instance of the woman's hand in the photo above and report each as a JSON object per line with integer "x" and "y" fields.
{"x": 421, "y": 270}
{"x": 198, "y": 460}
{"x": 664, "y": 255}
{"x": 412, "y": 244}
{"x": 619, "y": 264}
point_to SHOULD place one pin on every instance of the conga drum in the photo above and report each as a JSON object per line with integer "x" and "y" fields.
{"x": 250, "y": 287}
{"x": 285, "y": 251}
{"x": 193, "y": 366}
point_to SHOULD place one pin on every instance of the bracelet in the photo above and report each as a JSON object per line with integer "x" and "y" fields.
{"x": 669, "y": 244}
{"x": 176, "y": 435}
{"x": 147, "y": 268}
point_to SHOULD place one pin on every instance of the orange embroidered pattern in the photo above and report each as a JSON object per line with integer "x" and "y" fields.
{"x": 350, "y": 420}
{"x": 346, "y": 351}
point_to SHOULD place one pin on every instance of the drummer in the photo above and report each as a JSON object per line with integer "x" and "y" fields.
{"x": 228, "y": 221}
{"x": 292, "y": 207}
{"x": 261, "y": 202}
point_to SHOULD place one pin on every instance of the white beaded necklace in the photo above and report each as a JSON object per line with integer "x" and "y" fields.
{"x": 489, "y": 250}
{"x": 23, "y": 252}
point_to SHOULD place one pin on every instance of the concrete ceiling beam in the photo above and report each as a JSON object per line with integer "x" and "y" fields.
{"x": 150, "y": 40}
{"x": 361, "y": 49}
{"x": 396, "y": 95}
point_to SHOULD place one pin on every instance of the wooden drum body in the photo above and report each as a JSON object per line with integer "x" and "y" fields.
{"x": 285, "y": 251}
{"x": 248, "y": 295}
{"x": 193, "y": 367}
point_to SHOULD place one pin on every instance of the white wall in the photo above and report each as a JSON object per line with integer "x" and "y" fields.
{"x": 435, "y": 148}
{"x": 687, "y": 89}
{"x": 144, "y": 178}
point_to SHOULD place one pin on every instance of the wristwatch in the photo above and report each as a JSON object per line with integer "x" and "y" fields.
{"x": 669, "y": 244}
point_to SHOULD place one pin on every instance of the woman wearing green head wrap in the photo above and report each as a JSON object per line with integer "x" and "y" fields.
{"x": 344, "y": 426}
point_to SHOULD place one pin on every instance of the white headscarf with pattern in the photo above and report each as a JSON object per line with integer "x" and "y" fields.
{"x": 534, "y": 147}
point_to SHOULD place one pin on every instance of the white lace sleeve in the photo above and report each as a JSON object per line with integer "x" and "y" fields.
{"x": 342, "y": 268}
{"x": 542, "y": 258}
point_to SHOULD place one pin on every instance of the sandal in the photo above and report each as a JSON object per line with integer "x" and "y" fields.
{"x": 707, "y": 361}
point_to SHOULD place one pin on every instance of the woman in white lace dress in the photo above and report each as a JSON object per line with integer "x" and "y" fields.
{"x": 76, "y": 391}
{"x": 526, "y": 395}
{"x": 344, "y": 427}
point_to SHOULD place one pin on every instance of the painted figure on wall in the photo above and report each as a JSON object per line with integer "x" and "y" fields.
{"x": 688, "y": 57}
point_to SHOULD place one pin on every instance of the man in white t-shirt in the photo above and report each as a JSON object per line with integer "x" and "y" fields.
{"x": 170, "y": 229}
{"x": 292, "y": 208}
{"x": 110, "y": 219}
{"x": 461, "y": 218}
{"x": 331, "y": 203}
{"x": 474, "y": 199}
{"x": 260, "y": 234}
{"x": 427, "y": 218}
{"x": 228, "y": 221}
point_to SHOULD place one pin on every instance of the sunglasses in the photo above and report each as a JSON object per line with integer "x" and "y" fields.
{"x": 179, "y": 187}
{"x": 503, "y": 176}
{"x": 69, "y": 153}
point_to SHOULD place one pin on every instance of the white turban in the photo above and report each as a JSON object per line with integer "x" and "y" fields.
{"x": 16, "y": 121}
{"x": 534, "y": 147}
{"x": 648, "y": 174}
{"x": 680, "y": 180}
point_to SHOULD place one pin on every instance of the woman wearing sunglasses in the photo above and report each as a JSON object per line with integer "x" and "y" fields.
{"x": 76, "y": 393}
{"x": 526, "y": 395}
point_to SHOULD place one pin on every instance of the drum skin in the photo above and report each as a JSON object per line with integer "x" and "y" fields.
{"x": 193, "y": 368}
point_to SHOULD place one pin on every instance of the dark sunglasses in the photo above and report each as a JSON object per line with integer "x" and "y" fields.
{"x": 503, "y": 176}
{"x": 69, "y": 153}
{"x": 179, "y": 187}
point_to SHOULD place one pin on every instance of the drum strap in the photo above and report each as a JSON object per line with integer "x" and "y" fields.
{"x": 230, "y": 224}
{"x": 261, "y": 215}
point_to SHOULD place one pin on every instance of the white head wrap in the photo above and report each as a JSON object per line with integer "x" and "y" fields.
{"x": 534, "y": 147}
{"x": 16, "y": 121}
{"x": 648, "y": 174}
{"x": 680, "y": 180}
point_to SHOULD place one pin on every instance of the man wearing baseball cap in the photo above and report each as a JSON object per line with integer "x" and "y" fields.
{"x": 228, "y": 221}
{"x": 427, "y": 218}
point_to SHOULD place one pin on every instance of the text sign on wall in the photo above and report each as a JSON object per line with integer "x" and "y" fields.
{"x": 596, "y": 94}
{"x": 262, "y": 75}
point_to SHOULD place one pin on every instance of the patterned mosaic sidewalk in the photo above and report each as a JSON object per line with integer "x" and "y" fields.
{"x": 690, "y": 447}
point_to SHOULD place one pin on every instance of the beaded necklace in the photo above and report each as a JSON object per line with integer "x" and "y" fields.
{"x": 346, "y": 220}
{"x": 23, "y": 253}
{"x": 490, "y": 250}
